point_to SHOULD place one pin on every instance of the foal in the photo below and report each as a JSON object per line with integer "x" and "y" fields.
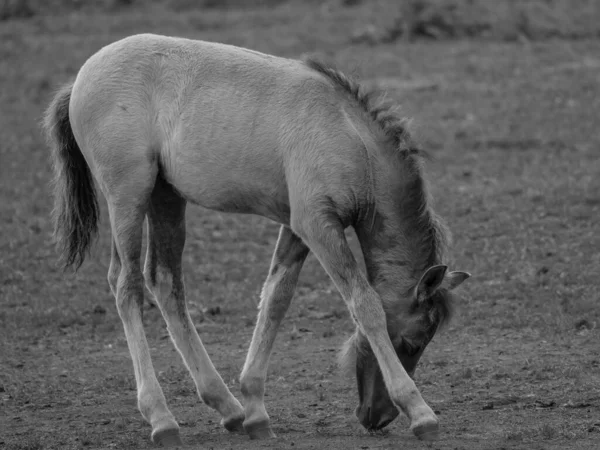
{"x": 159, "y": 122}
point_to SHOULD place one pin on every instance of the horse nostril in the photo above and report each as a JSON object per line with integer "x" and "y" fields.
{"x": 372, "y": 419}
{"x": 386, "y": 419}
{"x": 364, "y": 416}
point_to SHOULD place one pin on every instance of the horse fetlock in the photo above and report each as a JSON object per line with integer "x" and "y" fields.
{"x": 165, "y": 430}
{"x": 212, "y": 398}
{"x": 423, "y": 421}
{"x": 252, "y": 386}
{"x": 219, "y": 398}
{"x": 257, "y": 423}
{"x": 426, "y": 427}
{"x": 409, "y": 400}
{"x": 259, "y": 428}
{"x": 166, "y": 437}
{"x": 153, "y": 406}
{"x": 234, "y": 422}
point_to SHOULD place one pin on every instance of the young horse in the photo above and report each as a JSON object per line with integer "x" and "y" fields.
{"x": 161, "y": 121}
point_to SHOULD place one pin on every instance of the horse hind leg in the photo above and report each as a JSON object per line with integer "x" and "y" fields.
{"x": 163, "y": 275}
{"x": 277, "y": 293}
{"x": 127, "y": 203}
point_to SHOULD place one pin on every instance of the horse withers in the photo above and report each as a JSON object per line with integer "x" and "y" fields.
{"x": 159, "y": 122}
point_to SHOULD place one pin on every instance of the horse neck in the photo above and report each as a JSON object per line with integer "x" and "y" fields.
{"x": 402, "y": 238}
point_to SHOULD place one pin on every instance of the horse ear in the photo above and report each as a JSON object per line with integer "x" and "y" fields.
{"x": 454, "y": 279}
{"x": 430, "y": 281}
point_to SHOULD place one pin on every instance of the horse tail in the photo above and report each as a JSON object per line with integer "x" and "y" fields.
{"x": 76, "y": 212}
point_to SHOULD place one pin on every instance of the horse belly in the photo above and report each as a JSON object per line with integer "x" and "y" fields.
{"x": 235, "y": 180}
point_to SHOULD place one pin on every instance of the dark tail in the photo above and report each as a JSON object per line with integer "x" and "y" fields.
{"x": 76, "y": 211}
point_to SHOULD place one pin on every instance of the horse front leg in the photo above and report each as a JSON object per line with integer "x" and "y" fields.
{"x": 276, "y": 296}
{"x": 327, "y": 240}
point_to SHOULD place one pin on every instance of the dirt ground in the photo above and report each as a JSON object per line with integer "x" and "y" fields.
{"x": 513, "y": 126}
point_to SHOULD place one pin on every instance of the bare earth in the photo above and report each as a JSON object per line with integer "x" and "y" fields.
{"x": 514, "y": 130}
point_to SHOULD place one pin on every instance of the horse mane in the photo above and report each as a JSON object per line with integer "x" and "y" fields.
{"x": 381, "y": 111}
{"x": 433, "y": 234}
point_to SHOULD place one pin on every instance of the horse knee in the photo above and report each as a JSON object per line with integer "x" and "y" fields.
{"x": 368, "y": 312}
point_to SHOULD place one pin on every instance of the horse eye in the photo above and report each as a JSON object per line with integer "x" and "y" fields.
{"x": 411, "y": 350}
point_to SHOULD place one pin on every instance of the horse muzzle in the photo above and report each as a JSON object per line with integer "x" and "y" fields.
{"x": 373, "y": 419}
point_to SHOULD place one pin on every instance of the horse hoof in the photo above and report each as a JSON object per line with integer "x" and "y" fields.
{"x": 234, "y": 424}
{"x": 426, "y": 430}
{"x": 259, "y": 430}
{"x": 167, "y": 438}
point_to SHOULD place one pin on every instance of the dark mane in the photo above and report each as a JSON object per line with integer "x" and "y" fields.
{"x": 429, "y": 231}
{"x": 383, "y": 113}
{"x": 434, "y": 234}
